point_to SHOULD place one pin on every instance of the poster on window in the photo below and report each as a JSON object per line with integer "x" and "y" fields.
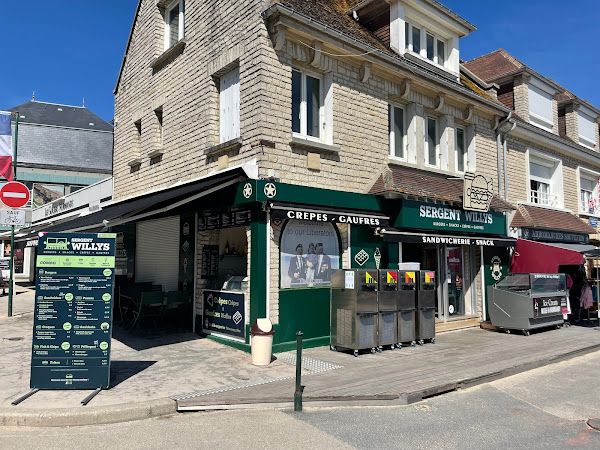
{"x": 46, "y": 193}
{"x": 309, "y": 251}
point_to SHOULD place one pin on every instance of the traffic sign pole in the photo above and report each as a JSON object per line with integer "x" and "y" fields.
{"x": 12, "y": 228}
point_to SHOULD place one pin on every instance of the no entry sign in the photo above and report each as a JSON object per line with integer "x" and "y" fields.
{"x": 14, "y": 194}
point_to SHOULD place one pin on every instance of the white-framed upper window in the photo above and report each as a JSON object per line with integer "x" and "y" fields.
{"x": 540, "y": 108}
{"x": 174, "y": 23}
{"x": 229, "y": 105}
{"x": 461, "y": 149}
{"x": 424, "y": 43}
{"x": 586, "y": 129}
{"x": 589, "y": 202}
{"x": 159, "y": 120}
{"x": 397, "y": 132}
{"x": 545, "y": 182}
{"x": 432, "y": 142}
{"x": 308, "y": 120}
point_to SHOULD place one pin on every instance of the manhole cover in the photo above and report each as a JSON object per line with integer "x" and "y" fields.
{"x": 594, "y": 423}
{"x": 14, "y": 339}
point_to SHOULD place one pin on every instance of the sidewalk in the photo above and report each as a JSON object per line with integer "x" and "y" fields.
{"x": 163, "y": 374}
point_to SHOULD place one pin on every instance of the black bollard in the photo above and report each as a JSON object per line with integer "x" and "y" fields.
{"x": 298, "y": 392}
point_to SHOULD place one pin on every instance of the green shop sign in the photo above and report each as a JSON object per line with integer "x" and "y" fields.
{"x": 429, "y": 216}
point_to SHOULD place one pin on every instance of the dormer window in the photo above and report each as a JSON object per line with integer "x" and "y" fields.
{"x": 434, "y": 48}
{"x": 587, "y": 130}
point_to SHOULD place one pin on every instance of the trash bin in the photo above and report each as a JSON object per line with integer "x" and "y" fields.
{"x": 261, "y": 342}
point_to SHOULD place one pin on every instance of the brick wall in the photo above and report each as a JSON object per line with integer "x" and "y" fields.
{"x": 506, "y": 95}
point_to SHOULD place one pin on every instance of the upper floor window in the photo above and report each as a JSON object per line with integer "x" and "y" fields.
{"x": 587, "y": 130}
{"x": 307, "y": 105}
{"x": 229, "y": 105}
{"x": 432, "y": 142}
{"x": 540, "y": 108}
{"x": 174, "y": 23}
{"x": 461, "y": 149}
{"x": 588, "y": 192}
{"x": 396, "y": 131}
{"x": 545, "y": 180}
{"x": 420, "y": 41}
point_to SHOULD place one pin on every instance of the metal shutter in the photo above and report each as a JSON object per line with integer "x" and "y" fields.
{"x": 157, "y": 252}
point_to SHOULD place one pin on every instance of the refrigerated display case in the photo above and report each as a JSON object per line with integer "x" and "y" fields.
{"x": 526, "y": 301}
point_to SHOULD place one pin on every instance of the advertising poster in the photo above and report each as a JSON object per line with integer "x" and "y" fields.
{"x": 309, "y": 251}
{"x": 72, "y": 323}
{"x": 223, "y": 312}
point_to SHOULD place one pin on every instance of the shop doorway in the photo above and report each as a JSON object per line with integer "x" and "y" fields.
{"x": 427, "y": 257}
{"x": 454, "y": 278}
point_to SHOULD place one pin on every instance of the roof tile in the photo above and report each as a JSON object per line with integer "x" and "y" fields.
{"x": 534, "y": 216}
{"x": 428, "y": 185}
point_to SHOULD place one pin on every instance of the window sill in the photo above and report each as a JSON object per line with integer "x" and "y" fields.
{"x": 587, "y": 214}
{"x": 539, "y": 205}
{"x": 415, "y": 57}
{"x": 233, "y": 144}
{"x": 315, "y": 146}
{"x": 135, "y": 162}
{"x": 156, "y": 152}
{"x": 171, "y": 52}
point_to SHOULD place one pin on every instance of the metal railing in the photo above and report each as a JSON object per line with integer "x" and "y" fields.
{"x": 543, "y": 198}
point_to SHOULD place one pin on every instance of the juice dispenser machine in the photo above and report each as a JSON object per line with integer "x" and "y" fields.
{"x": 388, "y": 308}
{"x": 426, "y": 299}
{"x": 407, "y": 307}
{"x": 354, "y": 312}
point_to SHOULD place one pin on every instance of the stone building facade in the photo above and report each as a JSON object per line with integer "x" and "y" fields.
{"x": 324, "y": 99}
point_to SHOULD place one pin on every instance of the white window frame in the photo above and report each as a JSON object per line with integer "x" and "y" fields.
{"x": 592, "y": 176}
{"x": 465, "y": 150}
{"x": 437, "y": 141}
{"x": 555, "y": 182}
{"x": 392, "y": 137}
{"x": 303, "y": 134}
{"x": 424, "y": 31}
{"x": 167, "y": 18}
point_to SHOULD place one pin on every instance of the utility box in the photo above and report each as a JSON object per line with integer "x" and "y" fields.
{"x": 426, "y": 299}
{"x": 354, "y": 310}
{"x": 388, "y": 308}
{"x": 407, "y": 307}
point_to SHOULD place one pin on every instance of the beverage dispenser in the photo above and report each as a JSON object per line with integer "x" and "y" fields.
{"x": 388, "y": 308}
{"x": 426, "y": 300}
{"x": 354, "y": 310}
{"x": 407, "y": 307}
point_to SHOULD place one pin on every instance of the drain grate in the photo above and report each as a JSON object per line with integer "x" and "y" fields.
{"x": 309, "y": 364}
{"x": 312, "y": 365}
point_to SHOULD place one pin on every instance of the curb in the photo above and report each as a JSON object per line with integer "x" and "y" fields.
{"x": 393, "y": 399}
{"x": 84, "y": 416}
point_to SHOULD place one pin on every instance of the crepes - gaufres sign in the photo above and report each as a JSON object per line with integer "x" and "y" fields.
{"x": 333, "y": 217}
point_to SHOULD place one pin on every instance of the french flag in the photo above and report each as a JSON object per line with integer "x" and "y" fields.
{"x": 6, "y": 153}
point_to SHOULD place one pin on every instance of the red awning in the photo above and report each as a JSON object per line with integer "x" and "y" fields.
{"x": 535, "y": 257}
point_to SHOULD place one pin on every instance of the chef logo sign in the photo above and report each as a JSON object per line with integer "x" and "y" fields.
{"x": 477, "y": 192}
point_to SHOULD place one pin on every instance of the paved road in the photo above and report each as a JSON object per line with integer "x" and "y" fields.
{"x": 543, "y": 408}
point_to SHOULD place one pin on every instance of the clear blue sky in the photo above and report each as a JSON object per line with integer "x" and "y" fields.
{"x": 67, "y": 50}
